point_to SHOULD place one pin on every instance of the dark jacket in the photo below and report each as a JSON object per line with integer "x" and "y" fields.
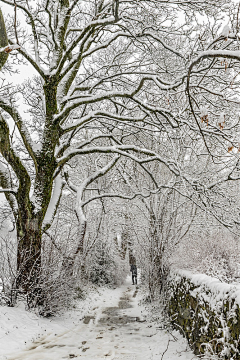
{"x": 133, "y": 269}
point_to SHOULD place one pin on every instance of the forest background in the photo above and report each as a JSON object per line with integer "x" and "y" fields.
{"x": 122, "y": 145}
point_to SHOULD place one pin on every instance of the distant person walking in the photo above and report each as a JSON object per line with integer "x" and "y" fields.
{"x": 133, "y": 270}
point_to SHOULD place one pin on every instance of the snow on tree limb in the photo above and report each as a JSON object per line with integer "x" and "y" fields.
{"x": 5, "y": 183}
{"x": 231, "y": 54}
{"x": 101, "y": 114}
{"x": 79, "y": 207}
{"x": 55, "y": 198}
{"x": 86, "y": 182}
{"x": 85, "y": 33}
{"x": 14, "y": 192}
{"x": 163, "y": 43}
{"x": 74, "y": 102}
{"x": 32, "y": 22}
{"x": 31, "y": 60}
{"x": 20, "y": 125}
{"x": 116, "y": 195}
{"x": 8, "y": 152}
{"x": 7, "y": 49}
{"x": 124, "y": 151}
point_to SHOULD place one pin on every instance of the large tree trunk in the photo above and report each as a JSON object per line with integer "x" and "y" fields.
{"x": 31, "y": 212}
{"x": 29, "y": 260}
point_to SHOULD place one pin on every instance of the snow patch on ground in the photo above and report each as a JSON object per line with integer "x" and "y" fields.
{"x": 109, "y": 324}
{"x": 19, "y": 328}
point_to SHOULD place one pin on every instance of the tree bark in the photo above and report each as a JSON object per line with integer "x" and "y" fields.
{"x": 31, "y": 212}
{"x": 29, "y": 260}
{"x": 3, "y": 40}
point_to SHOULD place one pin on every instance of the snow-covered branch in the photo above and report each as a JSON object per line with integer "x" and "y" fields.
{"x": 79, "y": 190}
{"x": 54, "y": 202}
{"x": 86, "y": 182}
{"x": 21, "y": 127}
{"x": 124, "y": 151}
{"x": 82, "y": 37}
{"x": 30, "y": 59}
{"x": 11, "y": 191}
{"x": 32, "y": 22}
{"x": 101, "y": 114}
{"x": 7, "y": 49}
{"x": 14, "y": 161}
{"x": 162, "y": 42}
{"x": 116, "y": 195}
{"x": 76, "y": 101}
{"x": 228, "y": 54}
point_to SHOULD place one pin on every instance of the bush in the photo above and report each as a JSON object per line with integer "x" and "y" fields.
{"x": 107, "y": 267}
{"x": 214, "y": 255}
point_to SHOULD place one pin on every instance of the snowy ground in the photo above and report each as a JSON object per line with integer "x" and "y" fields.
{"x": 110, "y": 325}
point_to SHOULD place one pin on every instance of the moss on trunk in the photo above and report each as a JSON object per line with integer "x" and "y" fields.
{"x": 3, "y": 40}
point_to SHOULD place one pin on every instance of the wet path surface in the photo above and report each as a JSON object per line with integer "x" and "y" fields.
{"x": 119, "y": 331}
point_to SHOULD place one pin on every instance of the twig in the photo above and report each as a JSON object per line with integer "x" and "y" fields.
{"x": 165, "y": 349}
{"x": 15, "y": 21}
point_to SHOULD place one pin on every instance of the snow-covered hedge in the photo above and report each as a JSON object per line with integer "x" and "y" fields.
{"x": 208, "y": 313}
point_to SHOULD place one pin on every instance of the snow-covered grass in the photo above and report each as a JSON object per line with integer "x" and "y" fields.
{"x": 19, "y": 328}
{"x": 25, "y": 336}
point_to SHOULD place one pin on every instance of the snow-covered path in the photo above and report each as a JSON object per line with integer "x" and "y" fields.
{"x": 115, "y": 329}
